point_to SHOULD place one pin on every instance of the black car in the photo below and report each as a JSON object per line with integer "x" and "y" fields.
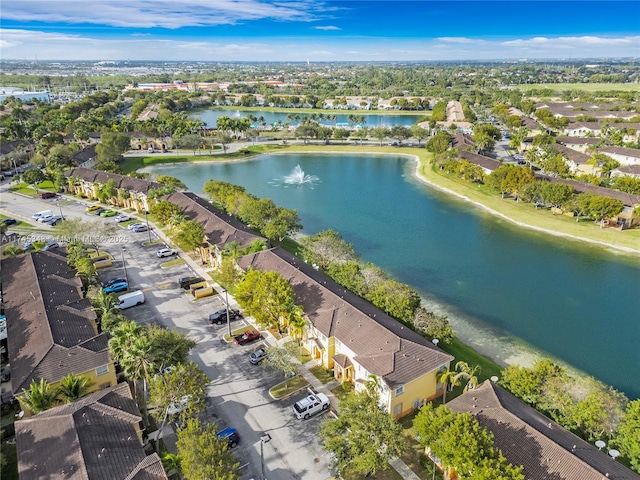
{"x": 9, "y": 221}
{"x": 220, "y": 316}
{"x": 108, "y": 283}
{"x": 186, "y": 282}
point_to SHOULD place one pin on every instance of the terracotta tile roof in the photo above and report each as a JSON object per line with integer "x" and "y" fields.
{"x": 382, "y": 345}
{"x": 528, "y": 438}
{"x": 50, "y": 330}
{"x": 220, "y": 228}
{"x": 100, "y": 439}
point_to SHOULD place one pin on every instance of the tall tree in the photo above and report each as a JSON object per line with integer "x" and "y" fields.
{"x": 363, "y": 437}
{"x": 281, "y": 358}
{"x": 326, "y": 248}
{"x": 267, "y": 296}
{"x": 112, "y": 145}
{"x": 204, "y": 455}
{"x": 191, "y": 234}
{"x": 627, "y": 436}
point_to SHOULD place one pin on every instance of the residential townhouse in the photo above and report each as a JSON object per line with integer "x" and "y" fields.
{"x": 94, "y": 438}
{"x": 630, "y": 131}
{"x": 526, "y": 437}
{"x": 487, "y": 164}
{"x": 626, "y": 156}
{"x": 132, "y": 192}
{"x": 51, "y": 329}
{"x": 220, "y": 228}
{"x": 355, "y": 339}
{"x": 627, "y": 170}
{"x": 574, "y": 110}
{"x": 578, "y": 162}
{"x": 579, "y": 144}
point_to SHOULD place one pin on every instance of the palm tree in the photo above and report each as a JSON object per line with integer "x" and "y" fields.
{"x": 372, "y": 384}
{"x": 105, "y": 306}
{"x": 122, "y": 337}
{"x": 137, "y": 362}
{"x": 40, "y": 396}
{"x": 468, "y": 373}
{"x": 447, "y": 377}
{"x": 73, "y": 386}
{"x": 297, "y": 324}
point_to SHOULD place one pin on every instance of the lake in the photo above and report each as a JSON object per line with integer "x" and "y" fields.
{"x": 210, "y": 117}
{"x": 577, "y": 302}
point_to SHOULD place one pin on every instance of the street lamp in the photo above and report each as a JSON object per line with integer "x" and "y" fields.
{"x": 124, "y": 266}
{"x": 60, "y": 208}
{"x": 226, "y": 302}
{"x": 146, "y": 217}
{"x": 263, "y": 439}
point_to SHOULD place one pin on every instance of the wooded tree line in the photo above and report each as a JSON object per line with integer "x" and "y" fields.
{"x": 584, "y": 406}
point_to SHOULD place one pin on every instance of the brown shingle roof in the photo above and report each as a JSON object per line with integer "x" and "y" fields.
{"x": 570, "y": 154}
{"x": 627, "y": 199}
{"x": 94, "y": 438}
{"x": 381, "y": 344}
{"x": 122, "y": 181}
{"x": 629, "y": 152}
{"x": 526, "y": 437}
{"x": 578, "y": 140}
{"x": 480, "y": 160}
{"x": 49, "y": 325}
{"x": 220, "y": 228}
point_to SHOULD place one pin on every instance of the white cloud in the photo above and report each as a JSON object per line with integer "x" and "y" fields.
{"x": 170, "y": 14}
{"x": 327, "y": 27}
{"x": 21, "y": 44}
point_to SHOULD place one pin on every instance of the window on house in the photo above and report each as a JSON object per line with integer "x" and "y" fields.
{"x": 399, "y": 390}
{"x": 397, "y": 410}
{"x": 104, "y": 386}
{"x": 102, "y": 370}
{"x": 338, "y": 343}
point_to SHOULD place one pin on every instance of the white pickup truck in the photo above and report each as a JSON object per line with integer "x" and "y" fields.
{"x": 311, "y": 405}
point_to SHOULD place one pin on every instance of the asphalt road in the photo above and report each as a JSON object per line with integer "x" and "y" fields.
{"x": 238, "y": 391}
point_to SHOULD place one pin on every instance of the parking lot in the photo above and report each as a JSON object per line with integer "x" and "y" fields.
{"x": 238, "y": 391}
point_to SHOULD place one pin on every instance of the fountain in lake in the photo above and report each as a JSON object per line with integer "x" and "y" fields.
{"x": 298, "y": 177}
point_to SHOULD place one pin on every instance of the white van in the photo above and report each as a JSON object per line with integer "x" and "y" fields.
{"x": 130, "y": 299}
{"x": 44, "y": 213}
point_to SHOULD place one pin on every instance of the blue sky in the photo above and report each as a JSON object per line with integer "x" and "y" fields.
{"x": 297, "y": 30}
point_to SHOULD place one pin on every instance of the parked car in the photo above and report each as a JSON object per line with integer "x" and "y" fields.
{"x": 231, "y": 434}
{"x": 220, "y": 316}
{"x": 108, "y": 213}
{"x": 52, "y": 220}
{"x": 122, "y": 218}
{"x": 134, "y": 225}
{"x": 247, "y": 337}
{"x": 186, "y": 282}
{"x": 44, "y": 218}
{"x": 256, "y": 357}
{"x": 48, "y": 195}
{"x": 44, "y": 213}
{"x": 130, "y": 299}
{"x": 140, "y": 228}
{"x": 116, "y": 287}
{"x": 98, "y": 211}
{"x": 50, "y": 245}
{"x": 311, "y": 405}
{"x": 9, "y": 221}
{"x": 93, "y": 208}
{"x": 112, "y": 281}
{"x": 166, "y": 252}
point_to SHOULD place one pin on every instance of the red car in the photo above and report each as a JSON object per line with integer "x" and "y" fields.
{"x": 48, "y": 195}
{"x": 247, "y": 337}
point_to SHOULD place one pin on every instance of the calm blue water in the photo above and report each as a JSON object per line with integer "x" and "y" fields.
{"x": 385, "y": 120}
{"x": 575, "y": 301}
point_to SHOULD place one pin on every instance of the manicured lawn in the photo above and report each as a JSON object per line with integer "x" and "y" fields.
{"x": 340, "y": 392}
{"x": 292, "y": 385}
{"x": 172, "y": 263}
{"x": 464, "y": 353}
{"x": 322, "y": 374}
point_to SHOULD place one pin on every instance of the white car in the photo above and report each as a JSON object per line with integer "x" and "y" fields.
{"x": 122, "y": 218}
{"x": 166, "y": 252}
{"x": 134, "y": 225}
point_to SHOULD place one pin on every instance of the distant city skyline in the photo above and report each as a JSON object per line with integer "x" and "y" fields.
{"x": 318, "y": 31}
